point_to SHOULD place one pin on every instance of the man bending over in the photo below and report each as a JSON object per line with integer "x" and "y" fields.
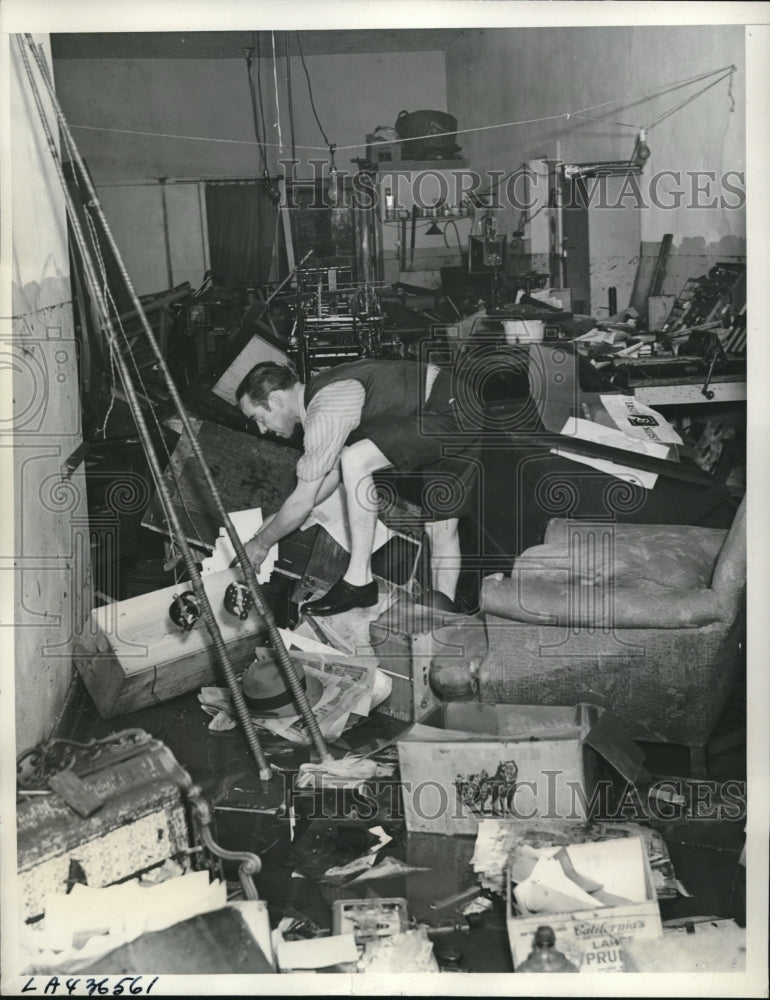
{"x": 358, "y": 419}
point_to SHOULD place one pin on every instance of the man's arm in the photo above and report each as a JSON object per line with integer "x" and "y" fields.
{"x": 333, "y": 413}
{"x": 293, "y": 513}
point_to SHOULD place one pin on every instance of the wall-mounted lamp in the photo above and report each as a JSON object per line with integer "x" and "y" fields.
{"x": 613, "y": 168}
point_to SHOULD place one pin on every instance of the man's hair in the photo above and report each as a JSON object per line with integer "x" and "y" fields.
{"x": 263, "y": 379}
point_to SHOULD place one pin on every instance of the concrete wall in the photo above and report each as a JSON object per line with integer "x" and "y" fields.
{"x": 50, "y": 558}
{"x": 523, "y": 74}
{"x": 209, "y": 98}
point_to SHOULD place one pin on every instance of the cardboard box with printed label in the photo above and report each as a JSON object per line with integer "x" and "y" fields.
{"x": 523, "y": 762}
{"x": 593, "y": 939}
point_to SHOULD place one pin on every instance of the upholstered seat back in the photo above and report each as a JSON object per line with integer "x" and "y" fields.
{"x": 606, "y": 575}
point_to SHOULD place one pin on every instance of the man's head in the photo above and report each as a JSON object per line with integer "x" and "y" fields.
{"x": 268, "y": 396}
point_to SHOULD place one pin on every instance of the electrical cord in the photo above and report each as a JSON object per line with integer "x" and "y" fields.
{"x": 277, "y": 102}
{"x": 310, "y": 91}
{"x": 254, "y": 115}
{"x": 259, "y": 93}
{"x": 453, "y": 224}
{"x": 290, "y": 98}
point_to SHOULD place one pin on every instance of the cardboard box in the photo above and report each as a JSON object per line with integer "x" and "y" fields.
{"x": 522, "y": 762}
{"x": 592, "y": 939}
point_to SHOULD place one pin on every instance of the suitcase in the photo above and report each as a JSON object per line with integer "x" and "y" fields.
{"x": 429, "y": 135}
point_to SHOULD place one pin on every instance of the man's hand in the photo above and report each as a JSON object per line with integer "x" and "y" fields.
{"x": 293, "y": 512}
{"x": 256, "y": 556}
{"x": 257, "y": 550}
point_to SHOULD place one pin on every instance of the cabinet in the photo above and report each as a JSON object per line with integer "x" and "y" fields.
{"x": 601, "y": 229}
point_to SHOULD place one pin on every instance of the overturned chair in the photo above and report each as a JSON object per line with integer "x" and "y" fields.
{"x": 647, "y": 620}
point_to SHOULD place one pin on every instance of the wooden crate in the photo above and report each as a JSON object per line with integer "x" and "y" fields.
{"x": 131, "y": 655}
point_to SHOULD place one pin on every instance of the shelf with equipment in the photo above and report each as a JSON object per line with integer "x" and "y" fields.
{"x": 424, "y": 215}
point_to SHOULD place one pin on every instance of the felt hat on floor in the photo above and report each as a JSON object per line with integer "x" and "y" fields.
{"x": 266, "y": 693}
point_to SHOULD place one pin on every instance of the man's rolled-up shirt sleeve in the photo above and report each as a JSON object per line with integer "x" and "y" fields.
{"x": 332, "y": 414}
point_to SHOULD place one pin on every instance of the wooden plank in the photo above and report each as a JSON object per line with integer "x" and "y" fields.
{"x": 287, "y": 237}
{"x": 645, "y": 270}
{"x": 132, "y": 655}
{"x": 658, "y": 309}
{"x": 659, "y": 274}
{"x": 679, "y": 394}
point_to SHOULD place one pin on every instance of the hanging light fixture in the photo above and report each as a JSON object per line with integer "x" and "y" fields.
{"x": 641, "y": 150}
{"x": 333, "y": 186}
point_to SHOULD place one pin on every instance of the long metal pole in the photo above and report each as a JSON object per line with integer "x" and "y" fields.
{"x": 292, "y": 677}
{"x": 265, "y": 772}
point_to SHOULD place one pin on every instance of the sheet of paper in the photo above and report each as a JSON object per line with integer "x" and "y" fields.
{"x": 341, "y": 772}
{"x": 384, "y": 838}
{"x": 296, "y": 640}
{"x": 617, "y": 864}
{"x": 639, "y": 420}
{"x": 120, "y": 913}
{"x": 587, "y": 430}
{"x": 351, "y": 868}
{"x": 332, "y": 515}
{"x": 389, "y": 868}
{"x": 547, "y": 889}
{"x": 317, "y": 953}
{"x": 246, "y": 524}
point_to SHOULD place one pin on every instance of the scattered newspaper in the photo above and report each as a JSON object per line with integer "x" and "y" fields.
{"x": 349, "y": 688}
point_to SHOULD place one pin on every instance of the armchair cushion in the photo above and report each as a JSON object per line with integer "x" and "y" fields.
{"x": 653, "y": 561}
{"x": 562, "y": 600}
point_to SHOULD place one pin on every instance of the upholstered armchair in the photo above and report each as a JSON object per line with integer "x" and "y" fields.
{"x": 646, "y": 620}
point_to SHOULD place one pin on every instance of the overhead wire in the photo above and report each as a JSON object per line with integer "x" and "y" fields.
{"x": 693, "y": 97}
{"x": 566, "y": 115}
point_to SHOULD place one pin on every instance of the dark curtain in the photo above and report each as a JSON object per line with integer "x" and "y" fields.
{"x": 241, "y": 223}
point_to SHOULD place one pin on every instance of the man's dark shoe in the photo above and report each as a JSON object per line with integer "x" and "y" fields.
{"x": 342, "y": 597}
